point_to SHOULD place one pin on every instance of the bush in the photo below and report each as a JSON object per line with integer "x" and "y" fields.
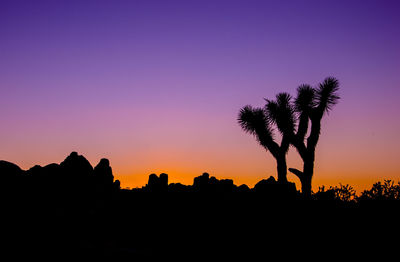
{"x": 344, "y": 193}
{"x": 382, "y": 191}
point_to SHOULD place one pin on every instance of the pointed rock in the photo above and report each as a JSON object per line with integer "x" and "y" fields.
{"x": 103, "y": 172}
{"x": 77, "y": 166}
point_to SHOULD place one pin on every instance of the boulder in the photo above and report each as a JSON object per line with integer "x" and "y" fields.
{"x": 45, "y": 179}
{"x": 243, "y": 188}
{"x": 178, "y": 188}
{"x": 152, "y": 183}
{"x": 10, "y": 175}
{"x": 103, "y": 173}
{"x": 76, "y": 175}
{"x": 77, "y": 165}
{"x": 274, "y": 189}
{"x": 163, "y": 180}
{"x": 265, "y": 185}
{"x": 201, "y": 183}
{"x": 157, "y": 184}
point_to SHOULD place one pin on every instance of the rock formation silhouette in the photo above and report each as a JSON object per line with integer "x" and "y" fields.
{"x": 10, "y": 172}
{"x": 12, "y": 177}
{"x": 103, "y": 176}
{"x": 74, "y": 210}
{"x": 157, "y": 184}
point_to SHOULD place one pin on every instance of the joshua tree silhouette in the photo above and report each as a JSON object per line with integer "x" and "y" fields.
{"x": 310, "y": 105}
{"x": 257, "y": 122}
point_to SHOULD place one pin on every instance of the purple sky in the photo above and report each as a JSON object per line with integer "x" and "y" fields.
{"x": 157, "y": 85}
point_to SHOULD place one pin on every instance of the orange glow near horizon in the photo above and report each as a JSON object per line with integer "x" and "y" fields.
{"x": 188, "y": 149}
{"x": 223, "y": 151}
{"x": 359, "y": 183}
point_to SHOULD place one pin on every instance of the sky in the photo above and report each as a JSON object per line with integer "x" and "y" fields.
{"x": 156, "y": 86}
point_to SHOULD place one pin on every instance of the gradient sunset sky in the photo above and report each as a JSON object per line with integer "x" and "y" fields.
{"x": 156, "y": 86}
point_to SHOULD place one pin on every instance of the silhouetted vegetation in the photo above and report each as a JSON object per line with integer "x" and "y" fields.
{"x": 344, "y": 193}
{"x": 382, "y": 191}
{"x": 309, "y": 106}
{"x": 256, "y": 122}
{"x": 74, "y": 210}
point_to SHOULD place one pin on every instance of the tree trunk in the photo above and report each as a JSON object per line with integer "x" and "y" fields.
{"x": 308, "y": 171}
{"x": 282, "y": 169}
{"x": 306, "y": 187}
{"x": 305, "y": 176}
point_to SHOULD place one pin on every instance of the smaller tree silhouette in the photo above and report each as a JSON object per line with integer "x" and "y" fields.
{"x": 255, "y": 121}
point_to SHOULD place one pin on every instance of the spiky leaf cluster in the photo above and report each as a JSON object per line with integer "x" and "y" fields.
{"x": 305, "y": 99}
{"x": 326, "y": 94}
{"x": 255, "y": 122}
{"x": 281, "y": 113}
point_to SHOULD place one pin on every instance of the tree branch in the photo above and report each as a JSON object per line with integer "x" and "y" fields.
{"x": 300, "y": 146}
{"x": 303, "y": 126}
{"x": 312, "y": 139}
{"x": 297, "y": 172}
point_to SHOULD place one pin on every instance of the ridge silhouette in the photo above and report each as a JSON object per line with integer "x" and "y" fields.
{"x": 76, "y": 211}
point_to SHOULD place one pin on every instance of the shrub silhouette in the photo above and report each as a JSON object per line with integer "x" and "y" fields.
{"x": 382, "y": 191}
{"x": 343, "y": 193}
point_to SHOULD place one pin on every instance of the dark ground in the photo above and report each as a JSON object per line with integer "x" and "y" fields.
{"x": 74, "y": 211}
{"x": 187, "y": 226}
